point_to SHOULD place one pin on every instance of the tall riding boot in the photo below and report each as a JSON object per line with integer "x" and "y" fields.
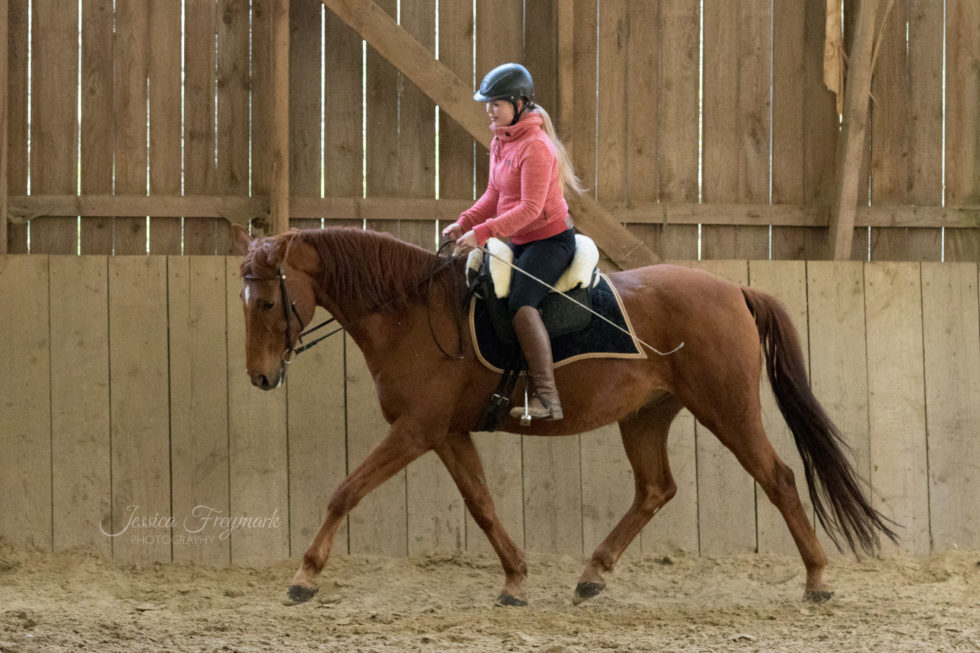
{"x": 536, "y": 345}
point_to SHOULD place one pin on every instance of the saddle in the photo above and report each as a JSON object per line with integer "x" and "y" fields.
{"x": 489, "y": 279}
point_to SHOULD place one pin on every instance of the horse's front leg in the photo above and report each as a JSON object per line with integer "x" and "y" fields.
{"x": 404, "y": 443}
{"x": 461, "y": 458}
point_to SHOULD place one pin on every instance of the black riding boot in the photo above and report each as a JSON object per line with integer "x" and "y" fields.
{"x": 536, "y": 345}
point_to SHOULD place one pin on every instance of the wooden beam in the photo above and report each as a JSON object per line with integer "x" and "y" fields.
{"x": 851, "y": 146}
{"x": 4, "y": 27}
{"x": 456, "y": 98}
{"x": 279, "y": 200}
{"x": 242, "y": 209}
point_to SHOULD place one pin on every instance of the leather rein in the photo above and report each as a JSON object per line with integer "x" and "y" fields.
{"x": 289, "y": 310}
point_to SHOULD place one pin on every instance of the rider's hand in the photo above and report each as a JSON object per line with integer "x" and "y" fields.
{"x": 467, "y": 241}
{"x": 452, "y": 232}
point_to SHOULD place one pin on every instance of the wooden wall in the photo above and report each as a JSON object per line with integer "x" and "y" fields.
{"x": 703, "y": 126}
{"x": 124, "y": 396}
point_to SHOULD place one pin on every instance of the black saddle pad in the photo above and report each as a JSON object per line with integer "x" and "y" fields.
{"x": 599, "y": 339}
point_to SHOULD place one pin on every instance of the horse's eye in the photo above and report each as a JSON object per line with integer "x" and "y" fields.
{"x": 268, "y": 306}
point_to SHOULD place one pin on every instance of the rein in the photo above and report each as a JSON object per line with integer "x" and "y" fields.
{"x": 289, "y": 306}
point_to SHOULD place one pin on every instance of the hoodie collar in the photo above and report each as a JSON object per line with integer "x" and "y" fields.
{"x": 529, "y": 121}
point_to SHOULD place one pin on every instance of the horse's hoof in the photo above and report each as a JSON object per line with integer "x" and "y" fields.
{"x": 818, "y": 596}
{"x": 587, "y": 590}
{"x": 298, "y": 594}
{"x": 509, "y": 601}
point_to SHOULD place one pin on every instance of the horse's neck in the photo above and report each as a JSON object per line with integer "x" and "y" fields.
{"x": 361, "y": 274}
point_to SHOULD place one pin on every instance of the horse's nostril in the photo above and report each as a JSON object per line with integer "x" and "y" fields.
{"x": 260, "y": 381}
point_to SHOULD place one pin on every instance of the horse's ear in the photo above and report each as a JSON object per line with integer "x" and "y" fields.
{"x": 240, "y": 238}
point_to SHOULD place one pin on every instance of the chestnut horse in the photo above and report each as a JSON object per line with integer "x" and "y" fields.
{"x": 403, "y": 307}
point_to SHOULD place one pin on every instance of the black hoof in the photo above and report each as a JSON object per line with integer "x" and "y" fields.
{"x": 508, "y": 601}
{"x": 299, "y": 594}
{"x": 587, "y": 590}
{"x": 818, "y": 596}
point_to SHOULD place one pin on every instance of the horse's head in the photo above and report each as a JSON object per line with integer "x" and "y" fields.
{"x": 279, "y": 301}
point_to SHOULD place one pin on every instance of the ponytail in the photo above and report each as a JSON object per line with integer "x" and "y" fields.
{"x": 566, "y": 171}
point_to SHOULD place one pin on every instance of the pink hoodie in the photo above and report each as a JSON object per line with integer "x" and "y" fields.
{"x": 524, "y": 191}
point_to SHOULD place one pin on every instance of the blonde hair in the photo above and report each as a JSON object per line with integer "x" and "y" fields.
{"x": 566, "y": 171}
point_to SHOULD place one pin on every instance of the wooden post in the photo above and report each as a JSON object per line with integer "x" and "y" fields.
{"x": 857, "y": 95}
{"x": 279, "y": 200}
{"x": 3, "y": 126}
{"x": 456, "y": 98}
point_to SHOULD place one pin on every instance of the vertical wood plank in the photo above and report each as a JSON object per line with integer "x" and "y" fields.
{"x": 499, "y": 39}
{"x": 3, "y": 128}
{"x": 16, "y": 89}
{"x": 317, "y": 439}
{"x": 678, "y": 111}
{"x": 786, "y": 281}
{"x": 896, "y": 409}
{"x": 165, "y": 98}
{"x": 305, "y": 102}
{"x": 838, "y": 357}
{"x": 541, "y": 52}
{"x": 233, "y": 95}
{"x": 553, "y": 495}
{"x": 54, "y": 137}
{"x": 642, "y": 108}
{"x": 262, "y": 132}
{"x": 96, "y": 139}
{"x": 198, "y": 407}
{"x": 456, "y": 146}
{"x": 925, "y": 71}
{"x": 962, "y": 93}
{"x": 25, "y": 408}
{"x": 503, "y": 465}
{"x": 611, "y": 104}
{"x": 726, "y": 493}
{"x": 416, "y": 132}
{"x": 342, "y": 149}
{"x": 131, "y": 71}
{"x": 582, "y": 141}
{"x": 950, "y": 324}
{"x": 140, "y": 419}
{"x": 736, "y": 121}
{"x": 80, "y": 458}
{"x": 788, "y": 115}
{"x": 256, "y": 448}
{"x": 200, "y": 173}
{"x": 381, "y": 154}
{"x": 378, "y": 524}
{"x": 675, "y": 527}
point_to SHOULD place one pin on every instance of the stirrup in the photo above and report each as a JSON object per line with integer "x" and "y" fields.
{"x": 554, "y": 411}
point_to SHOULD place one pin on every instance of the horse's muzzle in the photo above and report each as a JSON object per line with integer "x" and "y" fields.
{"x": 267, "y": 382}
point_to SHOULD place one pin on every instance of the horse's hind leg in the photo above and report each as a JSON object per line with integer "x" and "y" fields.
{"x": 461, "y": 458}
{"x": 749, "y": 443}
{"x": 645, "y": 441}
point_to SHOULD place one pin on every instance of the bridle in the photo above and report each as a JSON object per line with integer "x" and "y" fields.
{"x": 288, "y": 311}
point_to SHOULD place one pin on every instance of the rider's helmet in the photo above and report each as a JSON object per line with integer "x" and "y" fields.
{"x": 509, "y": 81}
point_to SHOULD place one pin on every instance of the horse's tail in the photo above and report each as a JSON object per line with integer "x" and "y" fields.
{"x": 818, "y": 440}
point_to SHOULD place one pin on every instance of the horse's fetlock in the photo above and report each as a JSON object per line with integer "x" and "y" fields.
{"x": 310, "y": 561}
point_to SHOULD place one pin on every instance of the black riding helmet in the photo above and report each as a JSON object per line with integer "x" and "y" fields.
{"x": 509, "y": 81}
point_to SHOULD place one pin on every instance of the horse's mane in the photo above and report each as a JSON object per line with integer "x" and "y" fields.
{"x": 372, "y": 269}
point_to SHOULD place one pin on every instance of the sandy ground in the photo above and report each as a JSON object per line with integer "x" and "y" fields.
{"x": 80, "y": 601}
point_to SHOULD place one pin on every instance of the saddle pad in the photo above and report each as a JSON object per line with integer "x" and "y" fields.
{"x": 578, "y": 272}
{"x": 599, "y": 340}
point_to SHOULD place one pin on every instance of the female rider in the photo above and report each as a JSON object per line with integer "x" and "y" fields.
{"x": 524, "y": 202}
